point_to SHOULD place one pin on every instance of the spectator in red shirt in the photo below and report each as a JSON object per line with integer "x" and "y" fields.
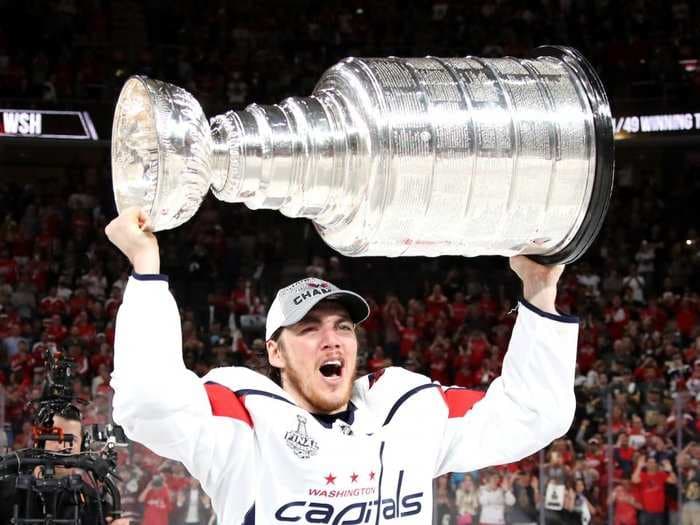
{"x": 417, "y": 310}
{"x": 687, "y": 315}
{"x": 647, "y": 371}
{"x": 25, "y": 438}
{"x": 458, "y": 310}
{"x": 436, "y": 302}
{"x": 478, "y": 347}
{"x": 156, "y": 502}
{"x": 241, "y": 297}
{"x": 17, "y": 395}
{"x": 441, "y": 327}
{"x": 86, "y": 330}
{"x": 616, "y": 318}
{"x": 439, "y": 369}
{"x": 652, "y": 488}
{"x": 373, "y": 323}
{"x": 464, "y": 375}
{"x": 176, "y": 477}
{"x": 23, "y": 361}
{"x": 587, "y": 353}
{"x": 104, "y": 354}
{"x": 462, "y": 356}
{"x": 109, "y": 332}
{"x": 625, "y": 501}
{"x": 408, "y": 335}
{"x": 488, "y": 305}
{"x": 623, "y": 455}
{"x": 38, "y": 353}
{"x": 78, "y": 302}
{"x": 52, "y": 304}
{"x": 655, "y": 315}
{"x": 378, "y": 360}
{"x": 112, "y": 304}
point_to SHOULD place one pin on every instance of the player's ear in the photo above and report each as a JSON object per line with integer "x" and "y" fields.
{"x": 274, "y": 353}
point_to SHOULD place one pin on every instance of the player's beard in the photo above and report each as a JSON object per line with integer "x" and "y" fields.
{"x": 311, "y": 389}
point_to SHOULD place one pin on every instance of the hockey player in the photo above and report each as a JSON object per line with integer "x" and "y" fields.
{"x": 317, "y": 445}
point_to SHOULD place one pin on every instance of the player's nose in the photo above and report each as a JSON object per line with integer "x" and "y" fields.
{"x": 330, "y": 338}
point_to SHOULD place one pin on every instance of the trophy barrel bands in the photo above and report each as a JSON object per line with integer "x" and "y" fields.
{"x": 468, "y": 156}
{"x": 604, "y": 161}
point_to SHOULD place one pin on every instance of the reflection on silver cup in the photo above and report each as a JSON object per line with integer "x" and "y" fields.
{"x": 391, "y": 156}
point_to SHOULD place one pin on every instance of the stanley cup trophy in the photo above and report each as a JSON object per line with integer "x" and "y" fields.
{"x": 391, "y": 156}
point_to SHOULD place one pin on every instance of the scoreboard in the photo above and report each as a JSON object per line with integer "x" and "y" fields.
{"x": 46, "y": 124}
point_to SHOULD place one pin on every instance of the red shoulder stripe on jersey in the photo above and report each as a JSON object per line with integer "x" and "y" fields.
{"x": 225, "y": 403}
{"x": 460, "y": 401}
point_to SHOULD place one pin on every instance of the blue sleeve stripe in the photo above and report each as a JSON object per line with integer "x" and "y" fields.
{"x": 150, "y": 276}
{"x": 562, "y": 318}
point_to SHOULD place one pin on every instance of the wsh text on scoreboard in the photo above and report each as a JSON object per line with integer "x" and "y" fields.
{"x": 46, "y": 124}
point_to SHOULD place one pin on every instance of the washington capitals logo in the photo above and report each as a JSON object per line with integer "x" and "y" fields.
{"x": 319, "y": 285}
{"x": 303, "y": 445}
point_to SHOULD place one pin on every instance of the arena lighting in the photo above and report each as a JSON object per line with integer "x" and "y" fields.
{"x": 46, "y": 124}
{"x": 690, "y": 65}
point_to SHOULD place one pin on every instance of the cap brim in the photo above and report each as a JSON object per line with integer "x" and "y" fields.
{"x": 356, "y": 306}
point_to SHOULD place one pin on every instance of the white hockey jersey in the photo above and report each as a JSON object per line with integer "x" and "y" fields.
{"x": 264, "y": 460}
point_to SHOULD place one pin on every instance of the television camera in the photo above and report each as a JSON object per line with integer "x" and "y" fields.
{"x": 50, "y": 486}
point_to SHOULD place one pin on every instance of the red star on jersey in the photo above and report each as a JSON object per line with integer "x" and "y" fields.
{"x": 371, "y": 475}
{"x": 353, "y": 477}
{"x": 330, "y": 479}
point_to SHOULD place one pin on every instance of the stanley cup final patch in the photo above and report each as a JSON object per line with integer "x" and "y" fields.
{"x": 299, "y": 440}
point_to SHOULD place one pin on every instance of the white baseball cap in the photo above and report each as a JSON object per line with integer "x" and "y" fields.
{"x": 293, "y": 302}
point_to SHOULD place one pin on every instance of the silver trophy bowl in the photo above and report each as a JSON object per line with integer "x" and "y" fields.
{"x": 391, "y": 156}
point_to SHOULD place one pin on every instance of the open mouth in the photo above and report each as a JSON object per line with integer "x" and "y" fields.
{"x": 332, "y": 368}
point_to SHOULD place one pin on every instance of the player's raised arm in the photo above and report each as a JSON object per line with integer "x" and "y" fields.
{"x": 533, "y": 401}
{"x": 157, "y": 400}
{"x": 131, "y": 232}
{"x": 539, "y": 282}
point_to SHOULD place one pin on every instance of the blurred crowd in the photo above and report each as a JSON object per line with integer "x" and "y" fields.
{"x": 632, "y": 455}
{"x": 232, "y": 53}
